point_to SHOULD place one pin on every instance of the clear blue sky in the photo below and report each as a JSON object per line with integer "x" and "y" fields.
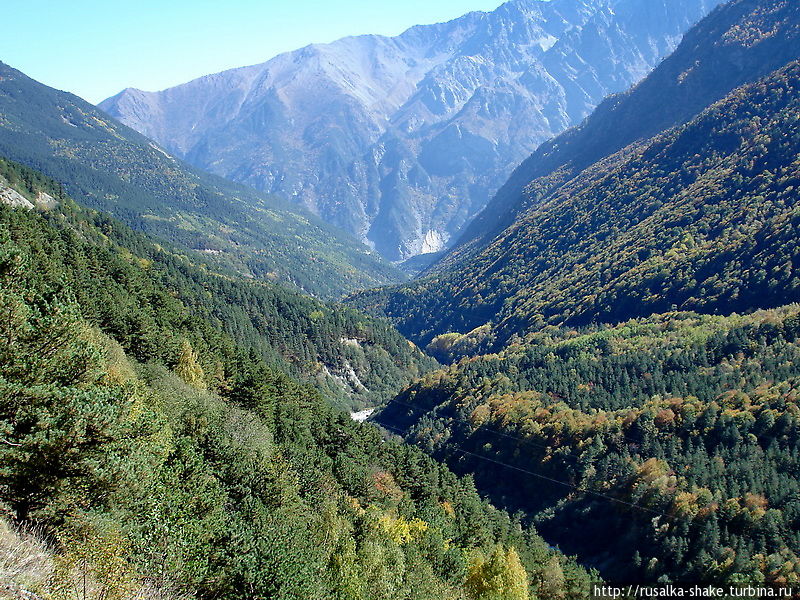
{"x": 96, "y": 48}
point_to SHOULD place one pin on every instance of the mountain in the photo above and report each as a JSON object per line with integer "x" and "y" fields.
{"x": 699, "y": 217}
{"x": 402, "y": 140}
{"x": 146, "y": 455}
{"x": 708, "y": 64}
{"x": 105, "y": 165}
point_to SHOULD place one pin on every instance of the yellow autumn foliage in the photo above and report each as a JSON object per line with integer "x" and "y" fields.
{"x": 402, "y": 530}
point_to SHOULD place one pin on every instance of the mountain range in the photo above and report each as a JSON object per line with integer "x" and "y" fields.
{"x": 402, "y": 140}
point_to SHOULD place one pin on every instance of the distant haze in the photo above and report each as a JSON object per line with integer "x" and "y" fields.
{"x": 95, "y": 49}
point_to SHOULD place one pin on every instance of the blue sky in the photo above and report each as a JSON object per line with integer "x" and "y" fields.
{"x": 96, "y": 48}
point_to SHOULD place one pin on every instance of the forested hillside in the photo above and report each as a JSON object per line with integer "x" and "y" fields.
{"x": 354, "y": 360}
{"x": 159, "y": 459}
{"x": 742, "y": 41}
{"x": 621, "y": 331}
{"x": 662, "y": 447}
{"x": 105, "y": 165}
{"x": 701, "y": 216}
{"x": 625, "y": 351}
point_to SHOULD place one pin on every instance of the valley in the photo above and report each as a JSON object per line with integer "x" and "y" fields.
{"x": 583, "y": 367}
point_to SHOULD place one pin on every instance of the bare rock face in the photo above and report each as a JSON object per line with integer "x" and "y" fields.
{"x": 12, "y": 197}
{"x": 403, "y": 140}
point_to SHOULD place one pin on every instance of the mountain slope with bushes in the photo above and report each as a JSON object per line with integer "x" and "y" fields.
{"x": 741, "y": 42}
{"x": 355, "y": 360}
{"x": 660, "y": 449}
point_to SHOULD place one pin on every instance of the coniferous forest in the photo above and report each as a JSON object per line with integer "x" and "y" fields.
{"x": 204, "y": 394}
{"x": 153, "y": 452}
